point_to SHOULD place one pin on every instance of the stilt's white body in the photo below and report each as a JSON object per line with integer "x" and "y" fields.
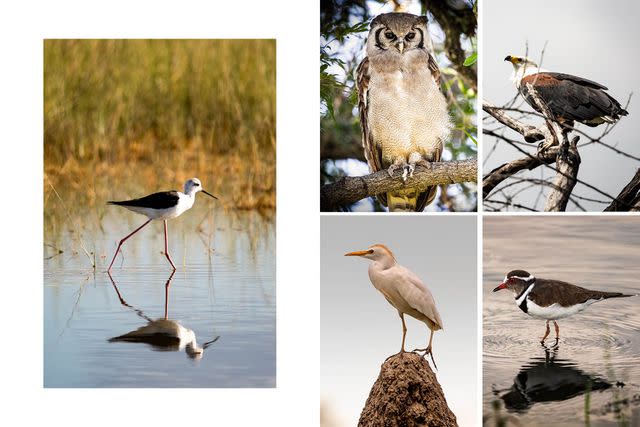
{"x": 164, "y": 206}
{"x": 185, "y": 202}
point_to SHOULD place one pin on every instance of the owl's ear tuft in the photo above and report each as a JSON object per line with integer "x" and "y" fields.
{"x": 422, "y": 20}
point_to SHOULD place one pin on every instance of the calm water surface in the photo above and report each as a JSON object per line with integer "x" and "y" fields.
{"x": 224, "y": 288}
{"x": 592, "y": 376}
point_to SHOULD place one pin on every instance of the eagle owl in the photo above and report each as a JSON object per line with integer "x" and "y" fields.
{"x": 403, "y": 113}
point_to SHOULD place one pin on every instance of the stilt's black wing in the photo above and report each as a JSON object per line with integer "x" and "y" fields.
{"x": 161, "y": 200}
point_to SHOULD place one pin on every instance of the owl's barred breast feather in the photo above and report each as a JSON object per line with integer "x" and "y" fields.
{"x": 407, "y": 111}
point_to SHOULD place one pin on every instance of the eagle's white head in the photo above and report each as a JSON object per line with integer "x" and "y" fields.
{"x": 522, "y": 67}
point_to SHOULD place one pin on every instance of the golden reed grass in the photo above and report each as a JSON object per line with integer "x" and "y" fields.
{"x": 123, "y": 118}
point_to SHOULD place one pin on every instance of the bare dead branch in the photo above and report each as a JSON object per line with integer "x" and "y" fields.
{"x": 567, "y": 160}
{"x": 567, "y": 165}
{"x": 499, "y": 174}
{"x": 349, "y": 190}
{"x": 629, "y": 197}
{"x": 530, "y": 133}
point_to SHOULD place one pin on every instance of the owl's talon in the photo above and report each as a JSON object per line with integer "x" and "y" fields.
{"x": 405, "y": 172}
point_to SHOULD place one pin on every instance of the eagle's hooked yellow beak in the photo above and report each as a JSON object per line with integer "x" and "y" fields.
{"x": 512, "y": 59}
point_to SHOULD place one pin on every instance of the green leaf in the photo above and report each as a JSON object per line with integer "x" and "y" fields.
{"x": 471, "y": 60}
{"x": 470, "y": 136}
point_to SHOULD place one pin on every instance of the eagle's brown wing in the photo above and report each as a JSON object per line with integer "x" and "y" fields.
{"x": 372, "y": 152}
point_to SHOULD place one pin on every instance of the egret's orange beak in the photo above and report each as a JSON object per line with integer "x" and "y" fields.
{"x": 502, "y": 285}
{"x": 359, "y": 253}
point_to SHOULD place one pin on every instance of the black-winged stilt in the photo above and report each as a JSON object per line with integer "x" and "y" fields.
{"x": 164, "y": 333}
{"x": 163, "y": 205}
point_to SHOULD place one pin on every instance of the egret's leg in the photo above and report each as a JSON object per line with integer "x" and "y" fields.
{"x": 428, "y": 350}
{"x": 546, "y": 334}
{"x": 166, "y": 245}
{"x": 123, "y": 240}
{"x": 557, "y": 330}
{"x": 404, "y": 331}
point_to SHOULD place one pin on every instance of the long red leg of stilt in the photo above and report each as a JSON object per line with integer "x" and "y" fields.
{"x": 166, "y": 295}
{"x": 166, "y": 245}
{"x": 123, "y": 240}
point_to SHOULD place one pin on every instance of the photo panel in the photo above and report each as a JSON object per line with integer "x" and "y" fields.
{"x": 561, "y": 320}
{"x": 425, "y": 268}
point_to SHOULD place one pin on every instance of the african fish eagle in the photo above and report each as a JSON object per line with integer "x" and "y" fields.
{"x": 569, "y": 98}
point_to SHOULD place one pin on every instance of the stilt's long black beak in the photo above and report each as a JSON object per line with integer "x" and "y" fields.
{"x": 207, "y": 344}
{"x": 209, "y": 194}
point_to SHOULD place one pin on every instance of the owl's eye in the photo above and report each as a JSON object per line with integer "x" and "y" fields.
{"x": 410, "y": 36}
{"x": 390, "y": 35}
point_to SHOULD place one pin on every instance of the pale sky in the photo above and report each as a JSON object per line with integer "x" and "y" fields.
{"x": 591, "y": 39}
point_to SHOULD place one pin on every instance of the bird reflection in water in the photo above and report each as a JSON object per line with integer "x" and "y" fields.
{"x": 549, "y": 379}
{"x": 162, "y": 334}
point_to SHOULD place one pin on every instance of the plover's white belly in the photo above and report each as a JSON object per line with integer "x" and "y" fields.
{"x": 555, "y": 311}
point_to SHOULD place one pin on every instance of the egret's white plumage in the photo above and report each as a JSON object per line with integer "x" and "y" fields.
{"x": 403, "y": 289}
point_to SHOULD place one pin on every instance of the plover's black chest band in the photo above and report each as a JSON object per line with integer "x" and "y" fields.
{"x": 523, "y": 305}
{"x": 521, "y": 300}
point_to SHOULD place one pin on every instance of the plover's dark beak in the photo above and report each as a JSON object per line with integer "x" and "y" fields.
{"x": 508, "y": 58}
{"x": 209, "y": 194}
{"x": 502, "y": 285}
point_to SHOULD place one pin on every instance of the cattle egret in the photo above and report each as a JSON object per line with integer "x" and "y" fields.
{"x": 403, "y": 289}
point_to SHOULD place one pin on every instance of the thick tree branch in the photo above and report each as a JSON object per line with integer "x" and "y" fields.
{"x": 629, "y": 197}
{"x": 567, "y": 165}
{"x": 567, "y": 160}
{"x": 349, "y": 190}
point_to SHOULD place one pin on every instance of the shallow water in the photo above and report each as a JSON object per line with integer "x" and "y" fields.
{"x": 592, "y": 375}
{"x": 224, "y": 288}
